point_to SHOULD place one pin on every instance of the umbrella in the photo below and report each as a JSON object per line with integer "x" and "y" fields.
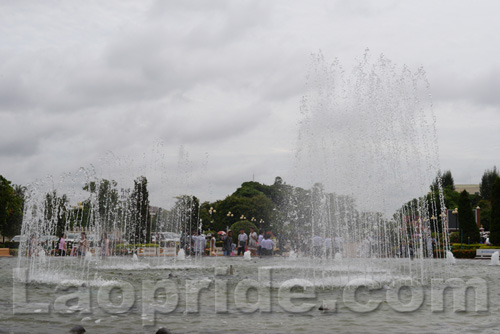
{"x": 221, "y": 232}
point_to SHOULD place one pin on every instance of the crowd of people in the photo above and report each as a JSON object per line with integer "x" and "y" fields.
{"x": 262, "y": 244}
{"x": 81, "y": 247}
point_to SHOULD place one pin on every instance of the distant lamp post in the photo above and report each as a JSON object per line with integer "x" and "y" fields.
{"x": 444, "y": 227}
{"x": 478, "y": 219}
{"x": 455, "y": 213}
{"x": 211, "y": 211}
{"x": 243, "y": 217}
{"x": 433, "y": 223}
{"x": 229, "y": 215}
{"x": 260, "y": 223}
{"x": 253, "y": 220}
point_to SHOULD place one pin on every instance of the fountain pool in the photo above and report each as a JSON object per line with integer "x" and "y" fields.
{"x": 96, "y": 317}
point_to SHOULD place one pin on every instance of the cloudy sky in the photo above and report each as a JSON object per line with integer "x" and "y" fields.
{"x": 203, "y": 95}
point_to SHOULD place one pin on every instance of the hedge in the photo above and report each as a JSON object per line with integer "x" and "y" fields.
{"x": 464, "y": 253}
{"x": 454, "y": 237}
{"x": 472, "y": 246}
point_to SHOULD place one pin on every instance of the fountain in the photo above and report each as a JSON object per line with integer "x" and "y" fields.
{"x": 366, "y": 146}
{"x": 450, "y": 258}
{"x": 181, "y": 255}
{"x": 366, "y": 142}
{"x": 495, "y": 261}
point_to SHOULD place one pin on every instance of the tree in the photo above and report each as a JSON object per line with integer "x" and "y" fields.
{"x": 16, "y": 220}
{"x": 495, "y": 213}
{"x": 258, "y": 206}
{"x": 446, "y": 179}
{"x": 184, "y": 214}
{"x": 11, "y": 208}
{"x": 139, "y": 211}
{"x": 487, "y": 181}
{"x": 55, "y": 210}
{"x": 106, "y": 194}
{"x": 467, "y": 225}
{"x": 242, "y": 224}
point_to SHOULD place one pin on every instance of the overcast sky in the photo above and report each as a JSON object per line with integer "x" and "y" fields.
{"x": 201, "y": 96}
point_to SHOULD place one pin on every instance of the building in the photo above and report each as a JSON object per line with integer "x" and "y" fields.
{"x": 472, "y": 189}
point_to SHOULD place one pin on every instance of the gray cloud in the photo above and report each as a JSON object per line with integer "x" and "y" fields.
{"x": 223, "y": 78}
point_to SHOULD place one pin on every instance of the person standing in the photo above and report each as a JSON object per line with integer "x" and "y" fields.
{"x": 227, "y": 243}
{"x": 199, "y": 244}
{"x": 62, "y": 245}
{"x": 84, "y": 243}
{"x": 318, "y": 244}
{"x": 261, "y": 237}
{"x": 242, "y": 242}
{"x": 213, "y": 249}
{"x": 105, "y": 245}
{"x": 267, "y": 246}
{"x": 253, "y": 242}
{"x": 338, "y": 244}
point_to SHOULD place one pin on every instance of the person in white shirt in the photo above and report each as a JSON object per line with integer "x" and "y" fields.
{"x": 267, "y": 246}
{"x": 199, "y": 244}
{"x": 261, "y": 237}
{"x": 253, "y": 242}
{"x": 242, "y": 242}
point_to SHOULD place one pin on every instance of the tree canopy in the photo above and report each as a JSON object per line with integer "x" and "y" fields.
{"x": 486, "y": 184}
{"x": 11, "y": 208}
{"x": 468, "y": 228}
{"x": 495, "y": 213}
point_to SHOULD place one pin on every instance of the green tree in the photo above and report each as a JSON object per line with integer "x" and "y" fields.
{"x": 495, "y": 213}
{"x": 446, "y": 180}
{"x": 467, "y": 225}
{"x": 185, "y": 214}
{"x": 487, "y": 181}
{"x": 257, "y": 206}
{"x": 106, "y": 193}
{"x": 242, "y": 224}
{"x": 208, "y": 217}
{"x": 11, "y": 208}
{"x": 139, "y": 211}
{"x": 55, "y": 211}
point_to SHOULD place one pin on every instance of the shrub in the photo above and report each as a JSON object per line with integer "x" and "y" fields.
{"x": 13, "y": 251}
{"x": 465, "y": 246}
{"x": 464, "y": 253}
{"x": 146, "y": 245}
{"x": 242, "y": 224}
{"x": 454, "y": 237}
